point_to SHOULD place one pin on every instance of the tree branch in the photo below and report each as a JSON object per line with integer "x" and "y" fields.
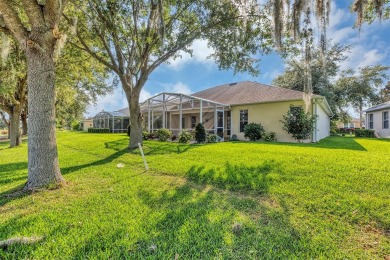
{"x": 33, "y": 12}
{"x": 53, "y": 11}
{"x": 13, "y": 22}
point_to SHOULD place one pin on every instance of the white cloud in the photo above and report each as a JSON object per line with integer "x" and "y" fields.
{"x": 178, "y": 87}
{"x": 199, "y": 54}
{"x": 112, "y": 102}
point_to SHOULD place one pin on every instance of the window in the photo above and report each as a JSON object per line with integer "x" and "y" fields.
{"x": 183, "y": 123}
{"x": 193, "y": 121}
{"x": 370, "y": 121}
{"x": 243, "y": 119}
{"x": 345, "y": 125}
{"x": 351, "y": 125}
{"x": 385, "y": 121}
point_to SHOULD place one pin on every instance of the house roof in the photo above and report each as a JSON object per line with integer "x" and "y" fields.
{"x": 248, "y": 92}
{"x": 113, "y": 113}
{"x": 125, "y": 111}
{"x": 379, "y": 107}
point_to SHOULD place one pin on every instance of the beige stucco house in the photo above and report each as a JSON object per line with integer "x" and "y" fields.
{"x": 377, "y": 118}
{"x": 226, "y": 109}
{"x": 86, "y": 123}
{"x": 353, "y": 123}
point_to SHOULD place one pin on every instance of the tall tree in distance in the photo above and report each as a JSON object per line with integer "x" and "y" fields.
{"x": 325, "y": 66}
{"x": 361, "y": 88}
{"x": 80, "y": 80}
{"x": 13, "y": 86}
{"x": 34, "y": 26}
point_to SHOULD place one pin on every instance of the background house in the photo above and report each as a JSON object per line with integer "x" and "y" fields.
{"x": 377, "y": 118}
{"x": 353, "y": 123}
{"x": 226, "y": 109}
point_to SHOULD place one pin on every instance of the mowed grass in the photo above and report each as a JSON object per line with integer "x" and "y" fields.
{"x": 233, "y": 200}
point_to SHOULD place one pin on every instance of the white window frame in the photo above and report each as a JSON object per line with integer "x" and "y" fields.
{"x": 242, "y": 120}
{"x": 385, "y": 120}
{"x": 370, "y": 120}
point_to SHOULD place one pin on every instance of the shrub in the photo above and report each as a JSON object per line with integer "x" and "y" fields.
{"x": 365, "y": 133}
{"x": 76, "y": 126}
{"x": 98, "y": 130}
{"x": 173, "y": 138}
{"x": 212, "y": 138}
{"x": 185, "y": 136}
{"x": 163, "y": 134}
{"x": 152, "y": 135}
{"x": 200, "y": 133}
{"x": 269, "y": 136}
{"x": 234, "y": 138}
{"x": 253, "y": 131}
{"x": 128, "y": 130}
{"x": 298, "y": 123}
{"x": 145, "y": 135}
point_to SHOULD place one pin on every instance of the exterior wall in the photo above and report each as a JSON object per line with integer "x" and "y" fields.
{"x": 378, "y": 127}
{"x": 323, "y": 123}
{"x": 269, "y": 115}
{"x": 87, "y": 123}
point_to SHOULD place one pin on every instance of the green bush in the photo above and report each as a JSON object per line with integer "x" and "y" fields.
{"x": 152, "y": 135}
{"x": 200, "y": 133}
{"x": 163, "y": 134}
{"x": 76, "y": 126}
{"x": 269, "y": 137}
{"x": 98, "y": 130}
{"x": 145, "y": 135}
{"x": 185, "y": 136}
{"x": 253, "y": 131}
{"x": 365, "y": 133}
{"x": 298, "y": 123}
{"x": 173, "y": 138}
{"x": 212, "y": 138}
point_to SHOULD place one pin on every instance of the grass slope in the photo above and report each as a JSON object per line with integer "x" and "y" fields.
{"x": 226, "y": 201}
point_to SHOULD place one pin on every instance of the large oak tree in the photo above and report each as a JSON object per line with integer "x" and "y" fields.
{"x": 34, "y": 25}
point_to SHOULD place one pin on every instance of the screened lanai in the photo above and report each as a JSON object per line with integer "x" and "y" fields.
{"x": 176, "y": 112}
{"x": 116, "y": 121}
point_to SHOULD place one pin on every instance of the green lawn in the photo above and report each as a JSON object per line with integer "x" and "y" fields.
{"x": 232, "y": 200}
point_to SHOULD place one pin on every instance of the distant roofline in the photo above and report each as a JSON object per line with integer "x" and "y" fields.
{"x": 378, "y": 107}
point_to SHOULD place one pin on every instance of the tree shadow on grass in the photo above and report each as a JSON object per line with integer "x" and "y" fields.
{"x": 200, "y": 223}
{"x": 165, "y": 148}
{"x": 327, "y": 143}
{"x": 102, "y": 161}
{"x": 236, "y": 177}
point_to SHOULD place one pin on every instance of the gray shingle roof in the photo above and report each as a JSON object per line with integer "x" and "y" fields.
{"x": 379, "y": 107}
{"x": 247, "y": 92}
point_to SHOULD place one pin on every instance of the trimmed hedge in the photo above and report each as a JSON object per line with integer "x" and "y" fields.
{"x": 365, "y": 133}
{"x": 98, "y": 130}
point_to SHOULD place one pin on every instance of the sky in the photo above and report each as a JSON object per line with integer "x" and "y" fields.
{"x": 369, "y": 46}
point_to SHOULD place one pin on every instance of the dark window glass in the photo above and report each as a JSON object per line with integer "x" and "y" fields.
{"x": 243, "y": 119}
{"x": 386, "y": 120}
{"x": 371, "y": 121}
{"x": 193, "y": 121}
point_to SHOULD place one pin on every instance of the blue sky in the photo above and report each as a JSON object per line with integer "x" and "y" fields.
{"x": 370, "y": 46}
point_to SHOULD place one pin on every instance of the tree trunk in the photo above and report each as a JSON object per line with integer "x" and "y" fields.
{"x": 136, "y": 117}
{"x": 14, "y": 129}
{"x": 24, "y": 123}
{"x": 361, "y": 115}
{"x": 43, "y": 165}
